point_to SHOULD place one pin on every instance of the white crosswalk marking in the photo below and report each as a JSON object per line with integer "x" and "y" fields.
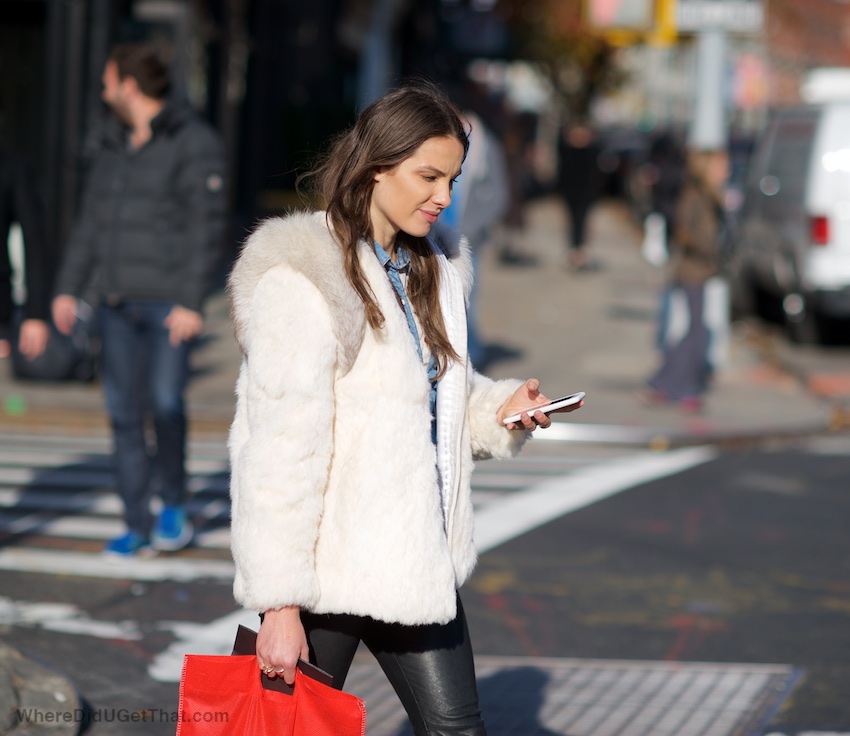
{"x": 58, "y": 504}
{"x": 58, "y": 507}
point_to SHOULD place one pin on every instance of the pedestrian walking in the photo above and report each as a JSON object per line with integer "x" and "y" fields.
{"x": 663, "y": 171}
{"x": 579, "y": 180}
{"x": 693, "y": 314}
{"x": 480, "y": 200}
{"x": 358, "y": 416}
{"x": 19, "y": 203}
{"x": 147, "y": 243}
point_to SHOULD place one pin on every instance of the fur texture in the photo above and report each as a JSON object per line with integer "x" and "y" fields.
{"x": 337, "y": 502}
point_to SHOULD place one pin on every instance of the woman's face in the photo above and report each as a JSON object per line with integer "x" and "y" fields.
{"x": 409, "y": 197}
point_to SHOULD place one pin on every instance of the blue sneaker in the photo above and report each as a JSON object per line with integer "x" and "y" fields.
{"x": 129, "y": 544}
{"x": 173, "y": 530}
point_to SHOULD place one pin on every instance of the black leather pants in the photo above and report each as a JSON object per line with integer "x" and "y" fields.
{"x": 430, "y": 667}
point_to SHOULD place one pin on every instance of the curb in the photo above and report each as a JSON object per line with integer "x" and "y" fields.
{"x": 661, "y": 439}
{"x": 38, "y": 700}
{"x": 42, "y": 421}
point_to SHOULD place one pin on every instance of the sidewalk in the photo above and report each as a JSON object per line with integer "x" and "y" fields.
{"x": 594, "y": 331}
{"x": 590, "y": 331}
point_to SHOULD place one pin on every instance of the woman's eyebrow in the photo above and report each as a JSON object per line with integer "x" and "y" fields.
{"x": 433, "y": 169}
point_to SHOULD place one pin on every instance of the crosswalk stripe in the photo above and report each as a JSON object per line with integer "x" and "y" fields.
{"x": 99, "y": 566}
{"x": 68, "y": 462}
{"x": 76, "y": 477}
{"x": 59, "y": 500}
{"x": 61, "y": 489}
{"x": 84, "y": 527}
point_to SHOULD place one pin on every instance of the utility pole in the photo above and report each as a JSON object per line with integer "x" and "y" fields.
{"x": 712, "y": 21}
{"x": 709, "y": 124}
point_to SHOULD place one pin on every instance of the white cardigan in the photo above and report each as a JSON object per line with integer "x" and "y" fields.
{"x": 339, "y": 502}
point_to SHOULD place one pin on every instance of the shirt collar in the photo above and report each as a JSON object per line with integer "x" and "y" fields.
{"x": 402, "y": 262}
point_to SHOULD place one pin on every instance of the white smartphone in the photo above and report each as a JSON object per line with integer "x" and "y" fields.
{"x": 568, "y": 400}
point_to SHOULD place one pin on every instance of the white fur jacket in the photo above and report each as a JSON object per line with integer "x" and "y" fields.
{"x": 340, "y": 501}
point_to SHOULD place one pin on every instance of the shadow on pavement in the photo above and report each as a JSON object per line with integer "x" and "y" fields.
{"x": 523, "y": 688}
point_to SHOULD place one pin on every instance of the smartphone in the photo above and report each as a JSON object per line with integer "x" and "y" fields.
{"x": 568, "y": 400}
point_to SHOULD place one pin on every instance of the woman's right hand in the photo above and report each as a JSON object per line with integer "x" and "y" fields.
{"x": 281, "y": 642}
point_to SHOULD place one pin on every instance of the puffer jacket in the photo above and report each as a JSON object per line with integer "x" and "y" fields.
{"x": 340, "y": 501}
{"x": 152, "y": 219}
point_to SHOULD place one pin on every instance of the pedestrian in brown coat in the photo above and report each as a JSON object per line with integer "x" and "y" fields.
{"x": 684, "y": 336}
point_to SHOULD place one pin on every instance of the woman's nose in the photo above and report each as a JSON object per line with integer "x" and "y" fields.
{"x": 443, "y": 195}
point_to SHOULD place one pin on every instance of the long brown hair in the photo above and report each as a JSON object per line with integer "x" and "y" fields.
{"x": 386, "y": 133}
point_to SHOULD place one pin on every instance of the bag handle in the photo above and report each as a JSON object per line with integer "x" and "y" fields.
{"x": 246, "y": 644}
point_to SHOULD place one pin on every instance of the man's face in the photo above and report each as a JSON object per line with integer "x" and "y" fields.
{"x": 114, "y": 91}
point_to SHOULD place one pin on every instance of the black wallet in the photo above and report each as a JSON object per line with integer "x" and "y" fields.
{"x": 246, "y": 643}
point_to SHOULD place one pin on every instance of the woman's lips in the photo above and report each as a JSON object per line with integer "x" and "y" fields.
{"x": 430, "y": 216}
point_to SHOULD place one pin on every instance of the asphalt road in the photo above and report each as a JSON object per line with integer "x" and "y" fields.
{"x": 741, "y": 559}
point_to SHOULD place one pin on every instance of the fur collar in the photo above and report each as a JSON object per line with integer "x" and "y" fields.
{"x": 303, "y": 242}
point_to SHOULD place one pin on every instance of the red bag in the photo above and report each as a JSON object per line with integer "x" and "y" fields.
{"x": 226, "y": 696}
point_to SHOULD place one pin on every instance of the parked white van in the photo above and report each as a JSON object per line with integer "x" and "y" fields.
{"x": 791, "y": 256}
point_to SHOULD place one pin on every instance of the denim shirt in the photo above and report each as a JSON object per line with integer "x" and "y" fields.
{"x": 394, "y": 271}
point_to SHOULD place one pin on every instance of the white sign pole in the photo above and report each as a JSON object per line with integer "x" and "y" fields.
{"x": 708, "y": 127}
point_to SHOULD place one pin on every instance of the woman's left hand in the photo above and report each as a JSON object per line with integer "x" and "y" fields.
{"x": 525, "y": 397}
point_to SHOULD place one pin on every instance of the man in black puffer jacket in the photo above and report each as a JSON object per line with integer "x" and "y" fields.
{"x": 147, "y": 243}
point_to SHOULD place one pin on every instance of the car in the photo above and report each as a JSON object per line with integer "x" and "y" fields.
{"x": 791, "y": 256}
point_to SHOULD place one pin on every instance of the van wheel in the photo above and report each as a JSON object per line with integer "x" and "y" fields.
{"x": 768, "y": 306}
{"x": 806, "y": 329}
{"x": 742, "y": 297}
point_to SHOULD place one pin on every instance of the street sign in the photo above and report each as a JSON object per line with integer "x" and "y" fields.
{"x": 743, "y": 16}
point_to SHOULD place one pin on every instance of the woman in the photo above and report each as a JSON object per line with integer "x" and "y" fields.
{"x": 351, "y": 508}
{"x": 686, "y": 367}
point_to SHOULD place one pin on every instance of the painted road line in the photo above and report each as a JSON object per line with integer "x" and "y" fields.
{"x": 76, "y": 477}
{"x": 59, "y": 500}
{"x": 64, "y": 618}
{"x": 100, "y": 504}
{"x": 82, "y": 475}
{"x": 39, "y": 457}
{"x": 516, "y": 513}
{"x": 206, "y": 638}
{"x": 86, "y": 527}
{"x": 521, "y": 512}
{"x": 557, "y": 484}
{"x": 81, "y": 564}
{"x": 7, "y": 439}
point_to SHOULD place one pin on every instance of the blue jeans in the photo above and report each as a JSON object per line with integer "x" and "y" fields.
{"x": 685, "y": 370}
{"x": 144, "y": 377}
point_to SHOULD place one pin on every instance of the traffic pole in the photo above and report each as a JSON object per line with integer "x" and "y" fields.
{"x": 708, "y": 127}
